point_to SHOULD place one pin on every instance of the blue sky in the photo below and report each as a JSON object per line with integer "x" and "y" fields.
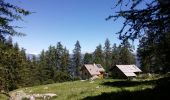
{"x": 66, "y": 21}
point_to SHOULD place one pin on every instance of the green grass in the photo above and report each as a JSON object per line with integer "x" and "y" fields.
{"x": 77, "y": 90}
{"x": 3, "y": 97}
{"x": 159, "y": 91}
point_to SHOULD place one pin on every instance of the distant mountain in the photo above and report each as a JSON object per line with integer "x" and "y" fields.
{"x": 31, "y": 55}
{"x": 82, "y": 55}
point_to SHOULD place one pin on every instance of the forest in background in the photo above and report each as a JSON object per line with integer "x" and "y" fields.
{"x": 55, "y": 64}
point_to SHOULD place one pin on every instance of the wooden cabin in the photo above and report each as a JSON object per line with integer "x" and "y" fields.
{"x": 92, "y": 70}
{"x": 125, "y": 71}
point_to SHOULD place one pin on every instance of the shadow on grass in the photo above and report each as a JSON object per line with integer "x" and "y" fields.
{"x": 160, "y": 91}
{"x": 128, "y": 83}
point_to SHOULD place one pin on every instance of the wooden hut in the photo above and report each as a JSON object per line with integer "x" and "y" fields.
{"x": 125, "y": 71}
{"x": 92, "y": 70}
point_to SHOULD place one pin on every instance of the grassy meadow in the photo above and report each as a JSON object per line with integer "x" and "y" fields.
{"x": 105, "y": 89}
{"x": 82, "y": 89}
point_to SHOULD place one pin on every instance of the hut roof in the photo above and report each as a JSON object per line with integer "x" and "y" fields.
{"x": 94, "y": 69}
{"x": 129, "y": 70}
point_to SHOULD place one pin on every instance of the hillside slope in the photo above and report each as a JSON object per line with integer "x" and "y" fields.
{"x": 77, "y": 90}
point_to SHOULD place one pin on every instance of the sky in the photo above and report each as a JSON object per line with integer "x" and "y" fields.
{"x": 66, "y": 21}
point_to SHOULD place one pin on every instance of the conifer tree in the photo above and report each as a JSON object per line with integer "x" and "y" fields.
{"x": 151, "y": 25}
{"x": 98, "y": 55}
{"x": 59, "y": 50}
{"x": 43, "y": 68}
{"x": 115, "y": 55}
{"x": 9, "y": 13}
{"x": 107, "y": 55}
{"x": 65, "y": 60}
{"x": 77, "y": 59}
{"x": 126, "y": 57}
{"x": 12, "y": 62}
{"x": 88, "y": 58}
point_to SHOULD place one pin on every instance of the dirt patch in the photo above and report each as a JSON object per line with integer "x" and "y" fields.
{"x": 20, "y": 95}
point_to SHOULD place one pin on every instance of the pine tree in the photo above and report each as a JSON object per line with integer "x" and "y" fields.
{"x": 77, "y": 59}
{"x": 50, "y": 64}
{"x": 98, "y": 55}
{"x": 65, "y": 60}
{"x": 88, "y": 58}
{"x": 151, "y": 24}
{"x": 107, "y": 55}
{"x": 12, "y": 63}
{"x": 115, "y": 55}
{"x": 10, "y": 13}
{"x": 153, "y": 55}
{"x": 9, "y": 42}
{"x": 59, "y": 50}
{"x": 16, "y": 46}
{"x": 43, "y": 68}
{"x": 33, "y": 71}
{"x": 53, "y": 64}
{"x": 126, "y": 57}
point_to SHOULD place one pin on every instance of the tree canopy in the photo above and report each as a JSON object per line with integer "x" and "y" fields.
{"x": 77, "y": 60}
{"x": 8, "y": 14}
{"x": 153, "y": 18}
{"x": 148, "y": 21}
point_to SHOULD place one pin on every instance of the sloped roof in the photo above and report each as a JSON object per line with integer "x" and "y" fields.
{"x": 94, "y": 69}
{"x": 129, "y": 70}
{"x": 101, "y": 69}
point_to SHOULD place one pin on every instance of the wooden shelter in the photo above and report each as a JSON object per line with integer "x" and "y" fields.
{"x": 125, "y": 71}
{"x": 92, "y": 70}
